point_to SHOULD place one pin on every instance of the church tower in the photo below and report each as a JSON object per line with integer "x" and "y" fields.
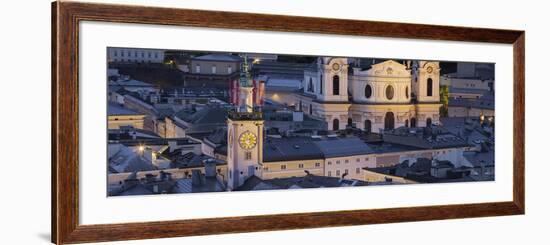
{"x": 326, "y": 87}
{"x": 426, "y": 81}
{"x": 245, "y": 135}
{"x": 333, "y": 74}
{"x": 425, "y": 84}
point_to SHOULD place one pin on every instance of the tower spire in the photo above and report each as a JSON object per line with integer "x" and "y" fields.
{"x": 246, "y": 103}
{"x": 245, "y": 78}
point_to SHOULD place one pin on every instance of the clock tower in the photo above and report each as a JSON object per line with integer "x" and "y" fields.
{"x": 244, "y": 135}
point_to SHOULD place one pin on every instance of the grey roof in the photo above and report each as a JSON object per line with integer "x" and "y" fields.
{"x": 337, "y": 147}
{"x": 487, "y": 101}
{"x": 128, "y": 160}
{"x": 308, "y": 181}
{"x": 284, "y": 149}
{"x": 467, "y": 90}
{"x": 207, "y": 115}
{"x": 434, "y": 137}
{"x": 207, "y": 184}
{"x": 218, "y": 57}
{"x": 114, "y": 109}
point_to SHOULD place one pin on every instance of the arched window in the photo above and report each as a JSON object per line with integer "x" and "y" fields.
{"x": 350, "y": 122}
{"x": 389, "y": 92}
{"x": 368, "y": 91}
{"x": 429, "y": 87}
{"x": 335, "y": 124}
{"x": 321, "y": 84}
{"x": 310, "y": 85}
{"x": 368, "y": 126}
{"x": 389, "y": 121}
{"x": 335, "y": 85}
{"x": 428, "y": 122}
{"x": 413, "y": 122}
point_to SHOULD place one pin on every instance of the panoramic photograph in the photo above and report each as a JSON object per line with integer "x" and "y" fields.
{"x": 183, "y": 121}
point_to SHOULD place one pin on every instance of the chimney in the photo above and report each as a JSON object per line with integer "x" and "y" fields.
{"x": 196, "y": 179}
{"x": 164, "y": 176}
{"x": 148, "y": 154}
{"x": 210, "y": 168}
{"x": 173, "y": 145}
{"x": 149, "y": 178}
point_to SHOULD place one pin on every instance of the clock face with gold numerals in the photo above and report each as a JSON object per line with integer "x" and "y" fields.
{"x": 247, "y": 140}
{"x": 335, "y": 66}
{"x": 429, "y": 69}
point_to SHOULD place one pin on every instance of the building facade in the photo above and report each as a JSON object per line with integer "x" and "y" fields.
{"x": 386, "y": 96}
{"x": 134, "y": 55}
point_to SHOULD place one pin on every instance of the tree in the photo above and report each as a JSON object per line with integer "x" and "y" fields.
{"x": 444, "y": 99}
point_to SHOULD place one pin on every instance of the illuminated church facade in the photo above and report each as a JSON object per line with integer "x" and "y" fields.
{"x": 385, "y": 96}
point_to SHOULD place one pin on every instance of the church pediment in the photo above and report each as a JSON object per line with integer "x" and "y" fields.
{"x": 389, "y": 68}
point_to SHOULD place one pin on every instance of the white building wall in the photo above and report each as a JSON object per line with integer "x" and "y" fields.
{"x": 135, "y": 55}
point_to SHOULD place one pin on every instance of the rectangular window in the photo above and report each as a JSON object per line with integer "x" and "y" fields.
{"x": 329, "y": 173}
{"x": 357, "y": 160}
{"x": 338, "y": 162}
{"x": 213, "y": 69}
{"x": 346, "y": 171}
{"x": 346, "y": 161}
{"x": 229, "y": 69}
{"x": 337, "y": 172}
{"x": 283, "y": 167}
{"x": 301, "y": 165}
{"x": 198, "y": 69}
{"x": 317, "y": 164}
{"x": 116, "y": 53}
{"x": 357, "y": 170}
{"x": 248, "y": 155}
{"x": 366, "y": 158}
{"x": 329, "y": 163}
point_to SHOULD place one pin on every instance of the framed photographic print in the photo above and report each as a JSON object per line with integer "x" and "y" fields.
{"x": 175, "y": 122}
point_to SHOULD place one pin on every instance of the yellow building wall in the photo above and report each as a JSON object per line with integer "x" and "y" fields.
{"x": 115, "y": 122}
{"x": 272, "y": 170}
{"x": 371, "y": 176}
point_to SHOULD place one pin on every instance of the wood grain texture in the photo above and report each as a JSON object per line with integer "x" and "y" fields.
{"x": 65, "y": 121}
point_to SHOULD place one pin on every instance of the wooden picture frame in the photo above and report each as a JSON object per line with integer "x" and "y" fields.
{"x": 65, "y": 120}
